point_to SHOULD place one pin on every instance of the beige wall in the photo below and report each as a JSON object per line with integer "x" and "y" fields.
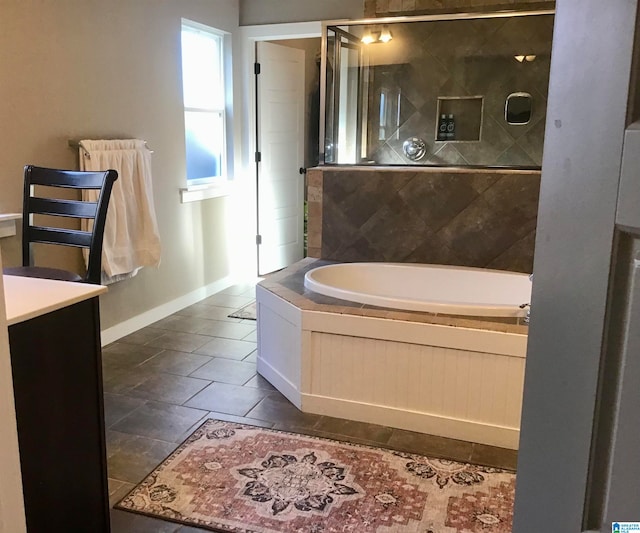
{"x": 75, "y": 69}
{"x": 276, "y": 11}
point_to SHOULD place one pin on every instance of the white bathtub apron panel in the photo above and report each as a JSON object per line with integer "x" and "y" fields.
{"x": 450, "y": 381}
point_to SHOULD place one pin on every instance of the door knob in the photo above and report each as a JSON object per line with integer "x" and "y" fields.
{"x": 302, "y": 170}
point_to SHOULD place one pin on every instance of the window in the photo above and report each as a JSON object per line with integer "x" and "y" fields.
{"x": 203, "y": 88}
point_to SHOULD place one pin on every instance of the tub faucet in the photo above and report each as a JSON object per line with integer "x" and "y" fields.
{"x": 527, "y": 305}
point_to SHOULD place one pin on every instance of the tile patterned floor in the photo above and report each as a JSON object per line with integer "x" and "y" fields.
{"x": 163, "y": 381}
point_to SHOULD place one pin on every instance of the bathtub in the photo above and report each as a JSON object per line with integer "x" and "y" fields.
{"x": 451, "y": 376}
{"x": 429, "y": 288}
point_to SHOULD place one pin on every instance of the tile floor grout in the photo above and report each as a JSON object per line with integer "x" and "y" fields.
{"x": 143, "y": 403}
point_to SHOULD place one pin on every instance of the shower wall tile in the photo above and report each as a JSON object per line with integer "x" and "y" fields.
{"x": 392, "y": 229}
{"x": 482, "y": 218}
{"x": 383, "y": 8}
{"x": 378, "y": 6}
{"x": 436, "y": 198}
{"x": 514, "y": 155}
{"x": 336, "y": 229}
{"x": 433, "y": 249}
{"x": 529, "y": 141}
{"x": 453, "y": 59}
{"x": 314, "y": 177}
{"x": 314, "y": 209}
{"x": 387, "y": 154}
{"x": 516, "y": 258}
{"x": 500, "y": 217}
{"x": 495, "y": 141}
{"x": 314, "y": 194}
{"x": 447, "y": 155}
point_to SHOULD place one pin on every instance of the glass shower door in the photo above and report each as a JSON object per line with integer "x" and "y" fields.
{"x": 345, "y": 94}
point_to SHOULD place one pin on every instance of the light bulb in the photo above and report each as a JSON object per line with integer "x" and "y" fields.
{"x": 519, "y": 59}
{"x": 367, "y": 38}
{"x": 385, "y": 35}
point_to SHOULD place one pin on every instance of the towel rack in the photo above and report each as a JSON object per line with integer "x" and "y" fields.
{"x": 78, "y": 144}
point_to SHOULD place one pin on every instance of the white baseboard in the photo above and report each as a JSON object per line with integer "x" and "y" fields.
{"x": 142, "y": 320}
{"x": 421, "y": 422}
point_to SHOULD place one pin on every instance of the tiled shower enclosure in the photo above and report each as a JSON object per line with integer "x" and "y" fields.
{"x": 382, "y": 94}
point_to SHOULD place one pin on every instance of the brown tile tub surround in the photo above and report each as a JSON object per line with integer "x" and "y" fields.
{"x": 387, "y": 8}
{"x": 481, "y": 218}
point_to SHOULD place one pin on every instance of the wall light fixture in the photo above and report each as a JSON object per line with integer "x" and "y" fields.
{"x": 374, "y": 37}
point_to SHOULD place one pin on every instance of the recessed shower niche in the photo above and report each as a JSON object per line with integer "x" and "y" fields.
{"x": 459, "y": 118}
{"x": 378, "y": 96}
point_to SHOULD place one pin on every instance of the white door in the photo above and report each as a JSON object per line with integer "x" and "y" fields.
{"x": 280, "y": 139}
{"x": 578, "y": 464}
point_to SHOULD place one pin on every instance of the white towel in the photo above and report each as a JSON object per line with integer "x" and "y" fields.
{"x": 131, "y": 238}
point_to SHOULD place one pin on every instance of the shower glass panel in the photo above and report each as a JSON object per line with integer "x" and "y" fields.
{"x": 432, "y": 90}
{"x": 347, "y": 105}
{"x": 346, "y": 74}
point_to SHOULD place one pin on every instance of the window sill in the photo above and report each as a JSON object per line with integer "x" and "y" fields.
{"x": 8, "y": 224}
{"x": 198, "y": 194}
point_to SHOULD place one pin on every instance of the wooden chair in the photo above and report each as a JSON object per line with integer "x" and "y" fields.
{"x": 34, "y": 205}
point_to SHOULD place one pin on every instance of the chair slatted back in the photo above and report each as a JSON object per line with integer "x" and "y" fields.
{"x": 35, "y": 205}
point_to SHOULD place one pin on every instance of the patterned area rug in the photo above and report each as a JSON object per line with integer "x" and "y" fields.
{"x": 248, "y": 311}
{"x": 237, "y": 478}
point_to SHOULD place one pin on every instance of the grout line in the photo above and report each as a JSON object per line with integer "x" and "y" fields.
{"x": 144, "y": 402}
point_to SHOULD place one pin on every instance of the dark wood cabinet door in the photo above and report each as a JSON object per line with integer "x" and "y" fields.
{"x": 57, "y": 376}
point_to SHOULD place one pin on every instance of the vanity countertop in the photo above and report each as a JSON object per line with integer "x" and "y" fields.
{"x": 27, "y": 298}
